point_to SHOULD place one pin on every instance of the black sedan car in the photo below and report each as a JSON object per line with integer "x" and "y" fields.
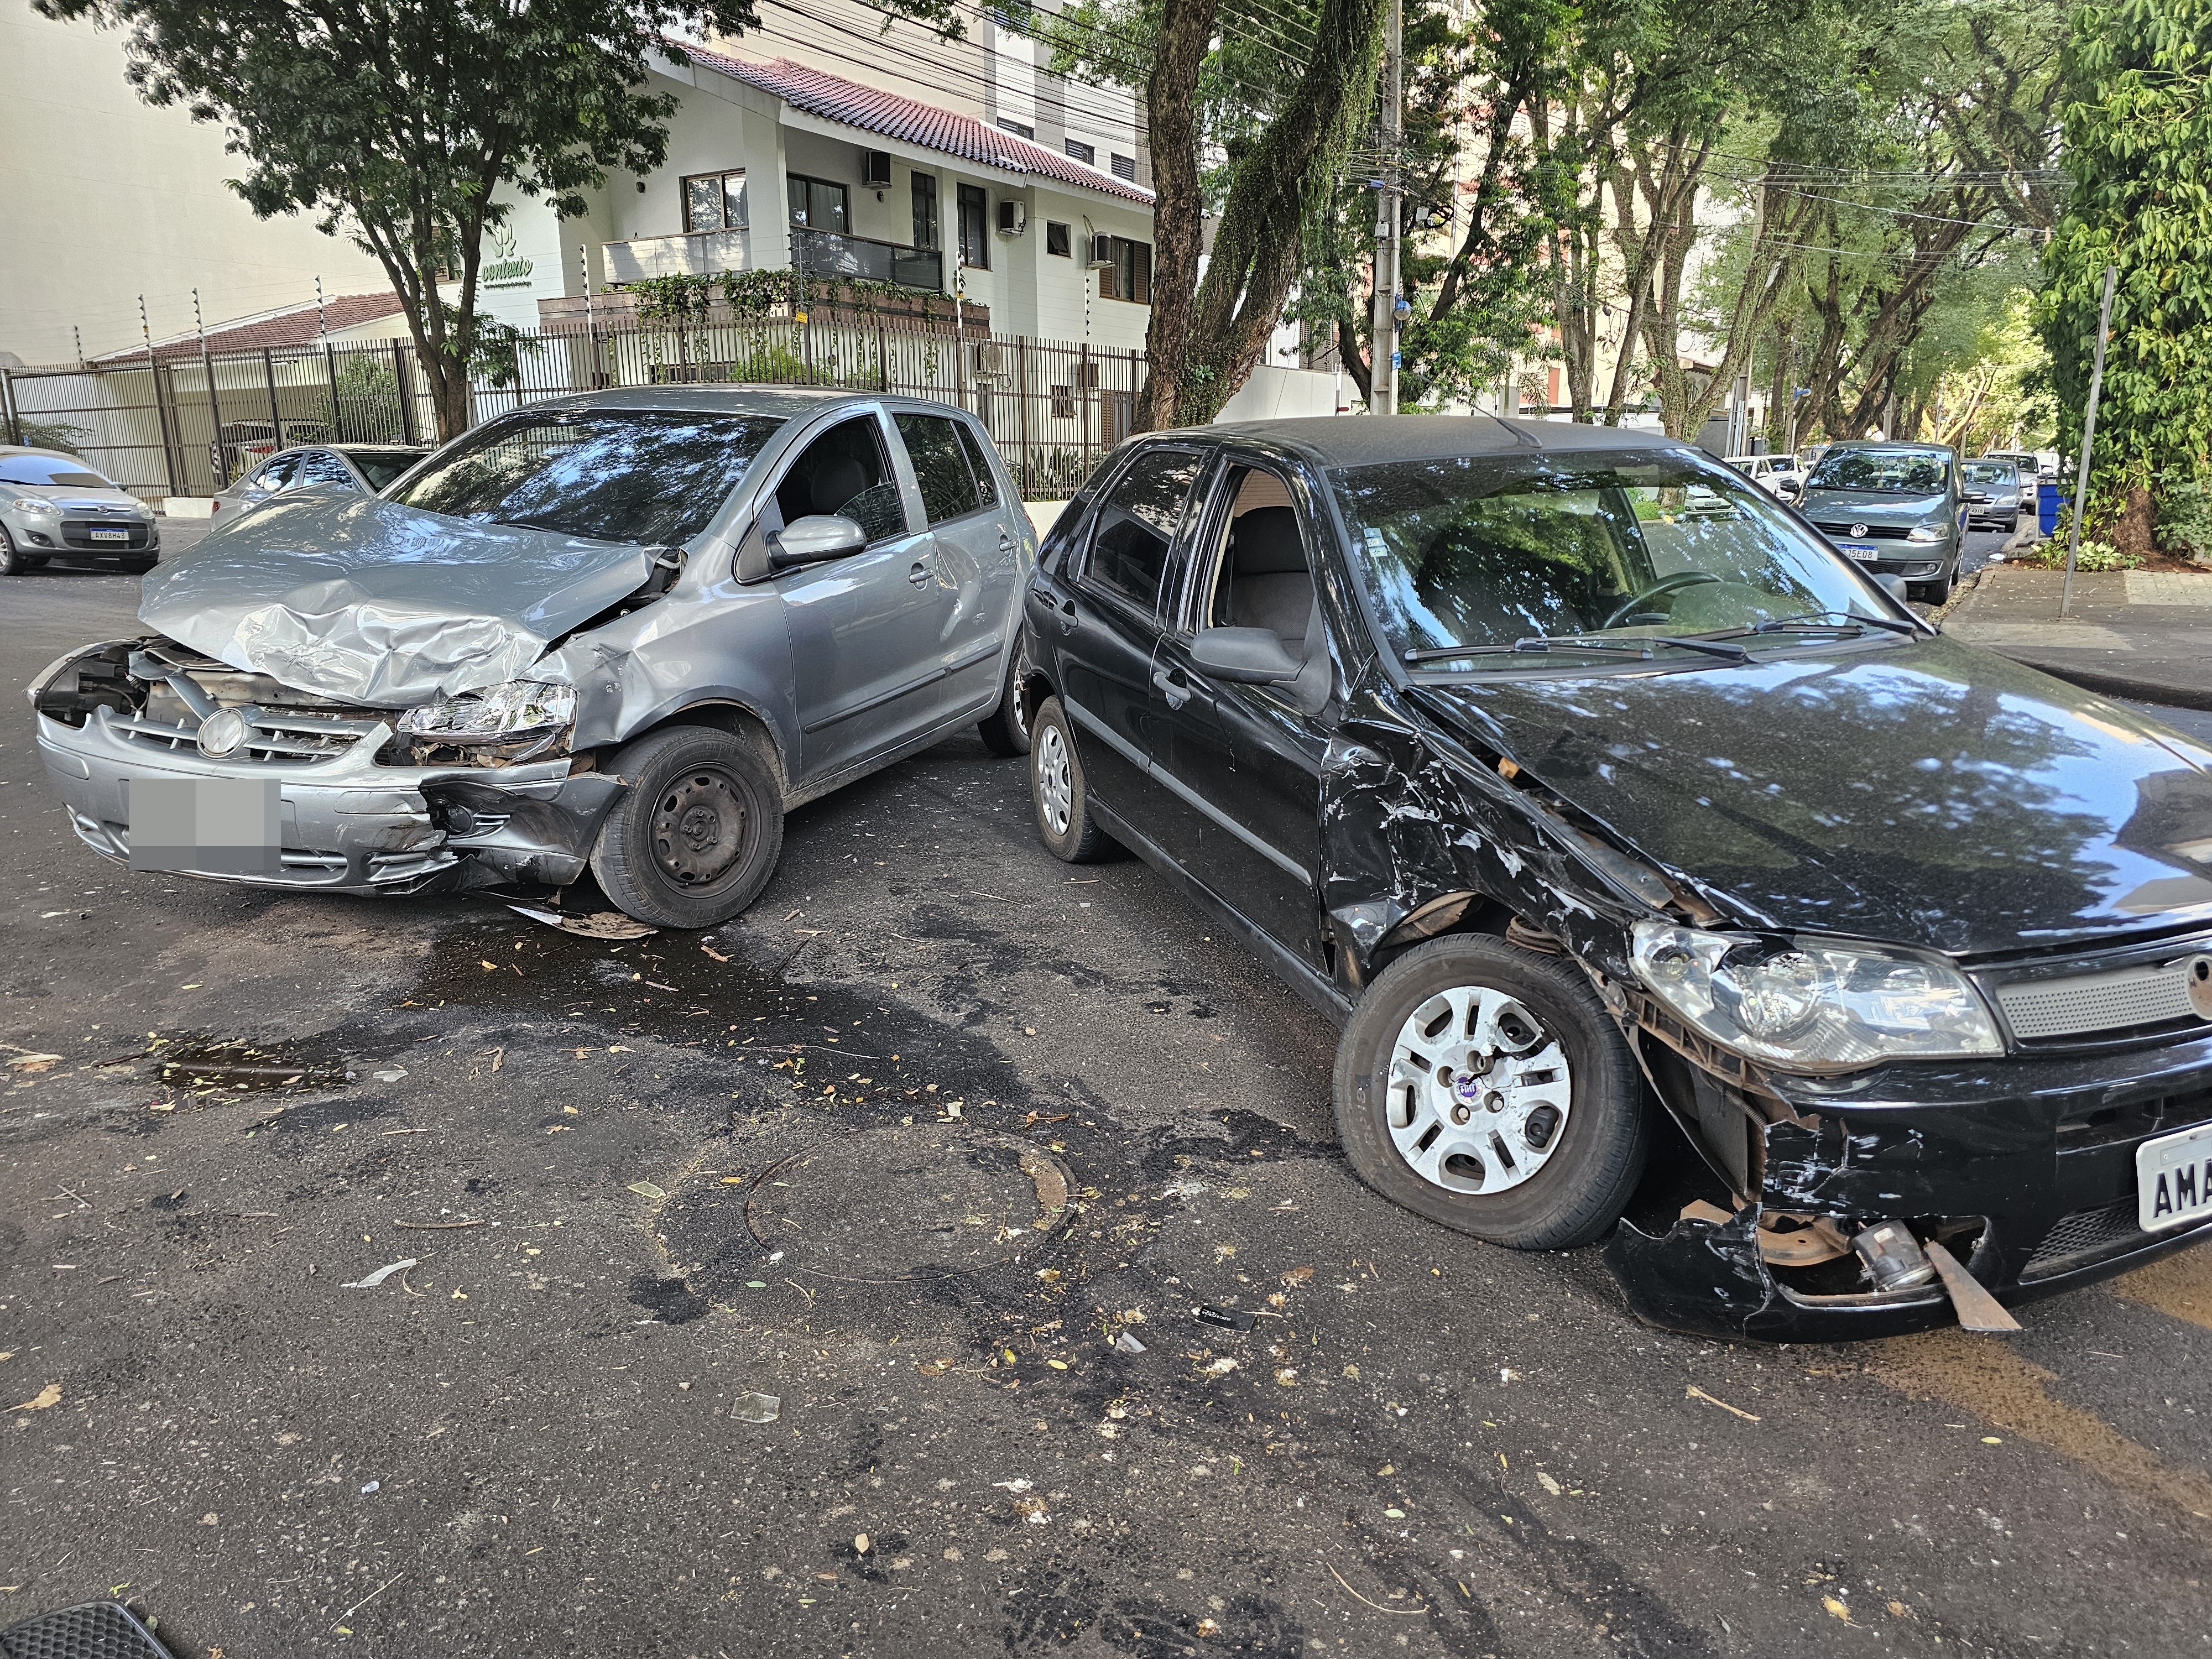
{"x": 1595, "y": 793}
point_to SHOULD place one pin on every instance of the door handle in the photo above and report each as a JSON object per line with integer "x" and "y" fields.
{"x": 919, "y": 573}
{"x": 1068, "y": 615}
{"x": 1173, "y": 685}
{"x": 1006, "y": 541}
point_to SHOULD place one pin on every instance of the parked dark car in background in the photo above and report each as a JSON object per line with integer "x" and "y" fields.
{"x": 1995, "y": 492}
{"x": 361, "y": 469}
{"x": 628, "y": 631}
{"x": 1899, "y": 509}
{"x": 57, "y": 508}
{"x": 1574, "y": 774}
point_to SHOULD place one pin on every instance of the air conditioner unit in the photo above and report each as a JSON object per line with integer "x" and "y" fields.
{"x": 1013, "y": 217}
{"x": 990, "y": 357}
{"x": 1101, "y": 253}
{"x": 875, "y": 169}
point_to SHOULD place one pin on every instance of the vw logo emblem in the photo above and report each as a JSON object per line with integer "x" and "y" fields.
{"x": 1858, "y": 530}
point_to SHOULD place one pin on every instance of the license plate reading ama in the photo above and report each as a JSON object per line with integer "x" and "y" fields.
{"x": 2173, "y": 1179}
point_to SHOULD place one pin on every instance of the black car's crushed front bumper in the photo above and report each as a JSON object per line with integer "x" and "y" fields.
{"x": 2030, "y": 1161}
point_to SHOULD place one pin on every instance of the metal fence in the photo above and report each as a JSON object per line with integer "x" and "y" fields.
{"x": 189, "y": 424}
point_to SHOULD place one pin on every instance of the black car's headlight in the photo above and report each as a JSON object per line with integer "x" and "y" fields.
{"x": 1817, "y": 1003}
{"x": 501, "y": 714}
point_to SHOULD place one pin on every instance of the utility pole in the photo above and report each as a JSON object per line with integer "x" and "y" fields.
{"x": 1383, "y": 369}
{"x": 2088, "y": 437}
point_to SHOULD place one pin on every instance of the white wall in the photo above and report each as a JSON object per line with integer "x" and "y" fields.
{"x": 1281, "y": 394}
{"x": 103, "y": 196}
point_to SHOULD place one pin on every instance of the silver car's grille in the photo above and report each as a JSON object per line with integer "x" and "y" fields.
{"x": 2083, "y": 1005}
{"x": 270, "y": 737}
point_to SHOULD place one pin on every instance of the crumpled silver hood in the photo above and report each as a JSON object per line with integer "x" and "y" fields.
{"x": 369, "y": 602}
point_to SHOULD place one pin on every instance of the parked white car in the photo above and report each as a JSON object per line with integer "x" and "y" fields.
{"x": 1779, "y": 475}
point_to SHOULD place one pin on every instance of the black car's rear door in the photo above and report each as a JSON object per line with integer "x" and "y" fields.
{"x": 1242, "y": 764}
{"x": 1103, "y": 623}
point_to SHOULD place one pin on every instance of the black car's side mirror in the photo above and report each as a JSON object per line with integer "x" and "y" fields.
{"x": 811, "y": 539}
{"x": 1255, "y": 656}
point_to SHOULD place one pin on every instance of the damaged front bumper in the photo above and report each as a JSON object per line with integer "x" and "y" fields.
{"x": 349, "y": 825}
{"x": 2025, "y": 1165}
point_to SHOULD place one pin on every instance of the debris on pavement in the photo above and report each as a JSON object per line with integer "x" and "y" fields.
{"x": 601, "y": 924}
{"x": 390, "y": 1074}
{"x": 1229, "y": 1319}
{"x": 647, "y": 1190}
{"x": 241, "y": 1066}
{"x": 369, "y": 1282}
{"x": 757, "y": 1407}
{"x": 1693, "y": 1392}
{"x": 49, "y": 1396}
{"x": 1127, "y": 1343}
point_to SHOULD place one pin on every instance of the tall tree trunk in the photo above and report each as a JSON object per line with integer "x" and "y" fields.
{"x": 1178, "y": 209}
{"x": 1782, "y": 386}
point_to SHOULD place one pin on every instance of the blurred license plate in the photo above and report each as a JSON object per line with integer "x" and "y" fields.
{"x": 2173, "y": 1179}
{"x": 1860, "y": 550}
{"x": 228, "y": 826}
{"x": 109, "y": 535}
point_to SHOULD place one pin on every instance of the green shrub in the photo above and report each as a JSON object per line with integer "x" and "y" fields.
{"x": 2184, "y": 520}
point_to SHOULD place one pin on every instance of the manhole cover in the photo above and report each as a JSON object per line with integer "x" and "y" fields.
{"x": 886, "y": 1204}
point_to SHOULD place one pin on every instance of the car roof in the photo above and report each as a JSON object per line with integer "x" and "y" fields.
{"x": 1364, "y": 440}
{"x": 1915, "y": 444}
{"x": 7, "y": 450}
{"x": 375, "y": 449}
{"x": 784, "y": 401}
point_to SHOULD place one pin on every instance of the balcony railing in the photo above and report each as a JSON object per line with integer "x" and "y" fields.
{"x": 694, "y": 253}
{"x": 828, "y": 254}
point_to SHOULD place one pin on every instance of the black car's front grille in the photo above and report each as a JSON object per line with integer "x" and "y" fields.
{"x": 1873, "y": 532}
{"x": 2084, "y": 1235}
{"x": 78, "y": 532}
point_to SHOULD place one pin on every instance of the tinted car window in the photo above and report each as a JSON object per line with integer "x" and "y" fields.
{"x": 379, "y": 469}
{"x": 1136, "y": 526}
{"x": 51, "y": 470}
{"x": 616, "y": 475}
{"x": 940, "y": 466}
{"x": 985, "y": 486}
{"x": 320, "y": 466}
{"x": 1487, "y": 550}
{"x": 1999, "y": 473}
{"x": 276, "y": 472}
{"x": 844, "y": 472}
{"x": 1885, "y": 471}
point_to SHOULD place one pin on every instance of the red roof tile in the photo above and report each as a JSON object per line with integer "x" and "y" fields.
{"x": 886, "y": 113}
{"x": 293, "y": 325}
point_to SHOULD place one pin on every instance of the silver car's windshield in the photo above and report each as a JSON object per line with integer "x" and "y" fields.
{"x": 1884, "y": 471}
{"x": 1494, "y": 549}
{"x": 51, "y": 470}
{"x": 618, "y": 474}
{"x": 1999, "y": 473}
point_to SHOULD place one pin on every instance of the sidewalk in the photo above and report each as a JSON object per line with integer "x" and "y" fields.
{"x": 2140, "y": 633}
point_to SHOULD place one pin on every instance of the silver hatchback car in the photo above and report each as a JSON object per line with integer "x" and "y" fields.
{"x": 55, "y": 506}
{"x": 627, "y": 630}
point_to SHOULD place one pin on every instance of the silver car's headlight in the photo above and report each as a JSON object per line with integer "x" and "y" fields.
{"x": 1926, "y": 532}
{"x": 500, "y": 714}
{"x": 37, "y": 506}
{"x": 1817, "y": 1003}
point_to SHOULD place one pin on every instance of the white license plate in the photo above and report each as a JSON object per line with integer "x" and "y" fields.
{"x": 1860, "y": 550}
{"x": 2173, "y": 1179}
{"x": 109, "y": 535}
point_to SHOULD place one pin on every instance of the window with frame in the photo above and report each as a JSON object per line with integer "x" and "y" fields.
{"x": 1137, "y": 524}
{"x": 985, "y": 483}
{"x": 715, "y": 201}
{"x": 940, "y": 466}
{"x": 1058, "y": 242}
{"x": 1086, "y": 153}
{"x": 925, "y": 210}
{"x": 818, "y": 204}
{"x": 321, "y": 468}
{"x": 844, "y": 472}
{"x": 1063, "y": 403}
{"x": 975, "y": 227}
{"x": 1125, "y": 166}
{"x": 1019, "y": 129}
{"x": 1130, "y": 274}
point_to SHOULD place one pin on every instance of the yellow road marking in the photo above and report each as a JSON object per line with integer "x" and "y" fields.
{"x": 2180, "y": 1285}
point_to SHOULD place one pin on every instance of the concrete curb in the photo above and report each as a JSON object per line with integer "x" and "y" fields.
{"x": 2163, "y": 692}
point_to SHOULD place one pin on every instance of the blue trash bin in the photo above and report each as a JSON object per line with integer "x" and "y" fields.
{"x": 2047, "y": 503}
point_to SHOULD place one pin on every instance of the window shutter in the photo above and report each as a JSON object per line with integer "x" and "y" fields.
{"x": 1142, "y": 265}
{"x": 1106, "y": 283}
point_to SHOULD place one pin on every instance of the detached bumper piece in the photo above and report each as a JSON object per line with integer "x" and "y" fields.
{"x": 93, "y": 1630}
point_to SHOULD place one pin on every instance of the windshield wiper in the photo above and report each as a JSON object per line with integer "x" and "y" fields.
{"x": 1853, "y": 624}
{"x": 1712, "y": 648}
{"x": 1539, "y": 644}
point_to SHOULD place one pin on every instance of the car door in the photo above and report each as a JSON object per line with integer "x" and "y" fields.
{"x": 1241, "y": 762}
{"x": 975, "y": 559}
{"x": 864, "y": 628}
{"x": 1104, "y": 609}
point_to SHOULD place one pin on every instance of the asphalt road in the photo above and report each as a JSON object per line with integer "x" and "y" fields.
{"x": 640, "y": 1181}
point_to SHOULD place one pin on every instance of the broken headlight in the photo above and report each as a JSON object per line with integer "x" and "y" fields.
{"x": 1815, "y": 1003}
{"x": 515, "y": 712}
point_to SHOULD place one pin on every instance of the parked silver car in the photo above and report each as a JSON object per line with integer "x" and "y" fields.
{"x": 361, "y": 469}
{"x": 628, "y": 629}
{"x": 56, "y": 506}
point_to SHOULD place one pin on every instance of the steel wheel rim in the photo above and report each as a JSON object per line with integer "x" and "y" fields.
{"x": 700, "y": 828}
{"x": 1055, "y": 780}
{"x": 1479, "y": 1093}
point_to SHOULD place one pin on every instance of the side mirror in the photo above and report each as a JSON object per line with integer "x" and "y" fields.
{"x": 811, "y": 539}
{"x": 1893, "y": 586}
{"x": 1254, "y": 656}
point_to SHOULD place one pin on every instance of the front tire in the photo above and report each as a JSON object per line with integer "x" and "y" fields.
{"x": 1060, "y": 794}
{"x": 1485, "y": 1087}
{"x": 12, "y": 563}
{"x": 699, "y": 832}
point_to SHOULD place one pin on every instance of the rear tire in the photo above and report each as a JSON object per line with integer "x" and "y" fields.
{"x": 1060, "y": 794}
{"x": 699, "y": 832}
{"x": 1485, "y": 1087}
{"x": 1006, "y": 729}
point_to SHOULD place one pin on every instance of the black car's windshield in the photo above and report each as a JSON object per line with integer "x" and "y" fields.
{"x": 1884, "y": 471}
{"x": 1487, "y": 551}
{"x": 380, "y": 466}
{"x": 619, "y": 475}
{"x": 64, "y": 471}
{"x": 1999, "y": 473}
